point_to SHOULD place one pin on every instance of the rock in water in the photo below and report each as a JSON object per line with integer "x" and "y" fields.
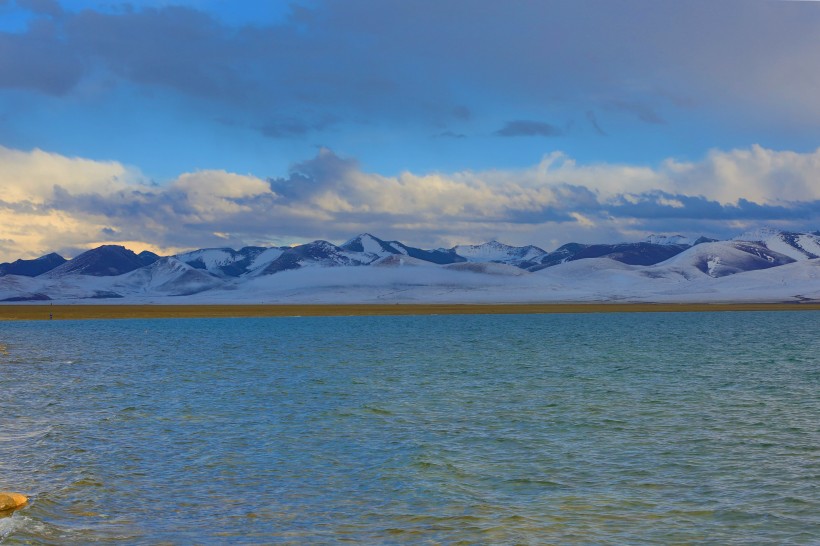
{"x": 10, "y": 501}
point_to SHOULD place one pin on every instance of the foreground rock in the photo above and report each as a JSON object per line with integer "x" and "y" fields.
{"x": 11, "y": 501}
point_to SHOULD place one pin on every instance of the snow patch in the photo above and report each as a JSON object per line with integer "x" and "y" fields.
{"x": 211, "y": 258}
{"x": 810, "y": 243}
{"x": 712, "y": 264}
{"x": 264, "y": 258}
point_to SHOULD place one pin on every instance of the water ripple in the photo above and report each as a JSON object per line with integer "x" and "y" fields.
{"x": 588, "y": 429}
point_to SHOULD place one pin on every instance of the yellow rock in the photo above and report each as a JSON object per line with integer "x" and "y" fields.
{"x": 10, "y": 501}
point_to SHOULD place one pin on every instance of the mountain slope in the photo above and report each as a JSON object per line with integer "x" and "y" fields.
{"x": 644, "y": 253}
{"x": 104, "y": 261}
{"x": 493, "y": 251}
{"x": 147, "y": 258}
{"x": 632, "y": 253}
{"x": 32, "y": 268}
{"x": 439, "y": 256}
{"x": 562, "y": 254}
{"x": 798, "y": 246}
{"x": 224, "y": 262}
{"x": 167, "y": 276}
{"x": 373, "y": 246}
{"x": 723, "y": 258}
{"x": 370, "y": 245}
{"x": 316, "y": 254}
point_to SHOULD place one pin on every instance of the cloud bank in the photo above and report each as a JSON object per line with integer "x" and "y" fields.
{"x": 56, "y": 203}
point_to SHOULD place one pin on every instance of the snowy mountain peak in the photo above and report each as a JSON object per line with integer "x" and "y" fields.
{"x": 361, "y": 238}
{"x": 369, "y": 244}
{"x": 147, "y": 257}
{"x": 168, "y": 276}
{"x": 667, "y": 240}
{"x": 493, "y": 251}
{"x": 483, "y": 249}
{"x": 225, "y": 262}
{"x": 103, "y": 261}
{"x": 798, "y": 246}
{"x": 760, "y": 234}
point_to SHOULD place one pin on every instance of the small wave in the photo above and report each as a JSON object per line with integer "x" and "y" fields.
{"x": 9, "y": 525}
{"x": 17, "y": 524}
{"x": 377, "y": 410}
{"x": 15, "y": 436}
{"x": 535, "y": 482}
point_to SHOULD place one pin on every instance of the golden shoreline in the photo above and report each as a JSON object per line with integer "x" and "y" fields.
{"x": 112, "y": 311}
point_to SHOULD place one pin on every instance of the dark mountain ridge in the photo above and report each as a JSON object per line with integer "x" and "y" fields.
{"x": 32, "y": 268}
{"x": 104, "y": 261}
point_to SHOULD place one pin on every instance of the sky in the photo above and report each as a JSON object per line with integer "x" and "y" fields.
{"x": 173, "y": 125}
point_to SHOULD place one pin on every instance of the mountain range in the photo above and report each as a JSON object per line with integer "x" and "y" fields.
{"x": 760, "y": 265}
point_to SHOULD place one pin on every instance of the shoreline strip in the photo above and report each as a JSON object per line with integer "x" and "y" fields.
{"x": 112, "y": 311}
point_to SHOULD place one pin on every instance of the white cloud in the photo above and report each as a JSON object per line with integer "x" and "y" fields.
{"x": 31, "y": 176}
{"x": 214, "y": 194}
{"x": 756, "y": 174}
{"x": 56, "y": 203}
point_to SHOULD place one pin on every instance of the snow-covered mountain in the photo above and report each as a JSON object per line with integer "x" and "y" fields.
{"x": 103, "y": 261}
{"x": 316, "y": 254}
{"x": 798, "y": 246}
{"x": 370, "y": 245}
{"x": 373, "y": 246}
{"x": 167, "y": 276}
{"x": 723, "y": 258}
{"x": 500, "y": 253}
{"x": 668, "y": 240}
{"x": 764, "y": 265}
{"x": 227, "y": 262}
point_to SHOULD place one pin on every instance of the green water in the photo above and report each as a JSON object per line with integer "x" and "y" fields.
{"x": 698, "y": 428}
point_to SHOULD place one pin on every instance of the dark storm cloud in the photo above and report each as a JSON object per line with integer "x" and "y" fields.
{"x": 307, "y": 178}
{"x": 420, "y": 60}
{"x": 451, "y": 134}
{"x": 524, "y": 127}
{"x": 649, "y": 210}
{"x": 643, "y": 112}
{"x": 39, "y": 60}
{"x": 178, "y": 48}
{"x": 671, "y": 208}
{"x": 295, "y": 127}
{"x": 45, "y": 7}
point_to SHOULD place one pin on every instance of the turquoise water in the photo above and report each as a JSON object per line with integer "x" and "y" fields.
{"x": 568, "y": 429}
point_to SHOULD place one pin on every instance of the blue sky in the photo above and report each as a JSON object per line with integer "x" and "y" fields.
{"x": 171, "y": 125}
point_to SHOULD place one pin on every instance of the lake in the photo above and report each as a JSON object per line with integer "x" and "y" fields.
{"x": 651, "y": 428}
